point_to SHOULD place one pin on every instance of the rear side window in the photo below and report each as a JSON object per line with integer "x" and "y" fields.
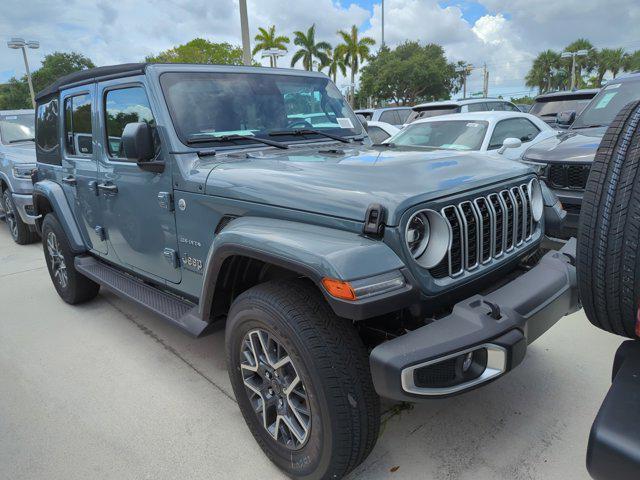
{"x": 404, "y": 115}
{"x": 377, "y": 135}
{"x": 390, "y": 116}
{"x": 77, "y": 126}
{"x": 495, "y": 106}
{"x": 123, "y": 106}
{"x": 47, "y": 141}
{"x": 510, "y": 108}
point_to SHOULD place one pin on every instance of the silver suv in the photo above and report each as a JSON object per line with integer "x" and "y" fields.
{"x": 17, "y": 160}
{"x": 464, "y": 105}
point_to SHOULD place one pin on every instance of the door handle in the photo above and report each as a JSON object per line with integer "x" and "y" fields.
{"x": 70, "y": 180}
{"x": 108, "y": 188}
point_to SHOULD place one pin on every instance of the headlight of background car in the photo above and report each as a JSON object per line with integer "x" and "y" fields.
{"x": 536, "y": 166}
{"x": 23, "y": 171}
{"x": 427, "y": 237}
{"x": 535, "y": 198}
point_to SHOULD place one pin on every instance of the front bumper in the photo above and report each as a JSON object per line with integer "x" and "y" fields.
{"x": 24, "y": 206}
{"x": 502, "y": 323}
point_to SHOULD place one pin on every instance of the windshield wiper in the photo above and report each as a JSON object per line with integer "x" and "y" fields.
{"x": 595, "y": 125}
{"x": 308, "y": 131}
{"x": 232, "y": 138}
{"x": 22, "y": 140}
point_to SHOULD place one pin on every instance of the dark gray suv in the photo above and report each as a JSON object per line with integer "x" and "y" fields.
{"x": 343, "y": 272}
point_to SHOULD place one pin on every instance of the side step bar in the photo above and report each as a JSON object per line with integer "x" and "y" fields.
{"x": 175, "y": 310}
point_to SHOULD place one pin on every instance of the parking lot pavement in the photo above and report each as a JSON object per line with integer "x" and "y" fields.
{"x": 108, "y": 391}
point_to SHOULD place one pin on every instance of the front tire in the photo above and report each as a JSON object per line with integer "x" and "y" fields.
{"x": 20, "y": 231}
{"x": 333, "y": 409}
{"x": 71, "y": 285}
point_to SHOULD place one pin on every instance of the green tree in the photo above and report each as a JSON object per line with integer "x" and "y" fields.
{"x": 356, "y": 50}
{"x": 609, "y": 60}
{"x": 309, "y": 49}
{"x": 543, "y": 70}
{"x": 584, "y": 65}
{"x": 268, "y": 40}
{"x": 335, "y": 63}
{"x": 200, "y": 50}
{"x": 408, "y": 74}
{"x": 15, "y": 94}
{"x": 632, "y": 62}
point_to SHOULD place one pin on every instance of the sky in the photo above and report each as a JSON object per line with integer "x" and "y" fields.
{"x": 504, "y": 34}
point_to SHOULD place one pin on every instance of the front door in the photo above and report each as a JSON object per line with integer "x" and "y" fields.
{"x": 139, "y": 221}
{"x": 80, "y": 163}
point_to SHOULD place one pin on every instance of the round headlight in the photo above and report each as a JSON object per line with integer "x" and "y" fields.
{"x": 536, "y": 200}
{"x": 427, "y": 237}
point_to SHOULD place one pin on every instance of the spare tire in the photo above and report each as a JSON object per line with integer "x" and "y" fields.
{"x": 608, "y": 259}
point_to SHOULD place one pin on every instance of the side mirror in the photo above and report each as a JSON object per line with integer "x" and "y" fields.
{"x": 137, "y": 143}
{"x": 510, "y": 142}
{"x": 565, "y": 119}
{"x": 363, "y": 121}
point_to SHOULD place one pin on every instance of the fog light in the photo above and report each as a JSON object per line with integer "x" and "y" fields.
{"x": 466, "y": 363}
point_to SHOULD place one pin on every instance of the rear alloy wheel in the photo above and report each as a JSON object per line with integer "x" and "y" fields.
{"x": 275, "y": 389}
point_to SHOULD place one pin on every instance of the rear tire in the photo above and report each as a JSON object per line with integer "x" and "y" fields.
{"x": 608, "y": 260}
{"x": 72, "y": 286}
{"x": 20, "y": 231}
{"x": 332, "y": 363}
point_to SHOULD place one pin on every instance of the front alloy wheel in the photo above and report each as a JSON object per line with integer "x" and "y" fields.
{"x": 58, "y": 266}
{"x": 275, "y": 390}
{"x": 10, "y": 216}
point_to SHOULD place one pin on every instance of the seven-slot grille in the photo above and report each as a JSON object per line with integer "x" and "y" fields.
{"x": 484, "y": 229}
{"x": 573, "y": 177}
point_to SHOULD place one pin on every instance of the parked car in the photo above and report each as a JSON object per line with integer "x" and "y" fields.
{"x": 524, "y": 107}
{"x": 344, "y": 272}
{"x": 609, "y": 281}
{"x": 392, "y": 115}
{"x": 564, "y": 161}
{"x": 504, "y": 133}
{"x": 547, "y": 106}
{"x": 17, "y": 160}
{"x": 433, "y": 109}
{"x": 380, "y": 131}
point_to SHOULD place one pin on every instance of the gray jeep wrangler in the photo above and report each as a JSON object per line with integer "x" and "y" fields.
{"x": 344, "y": 271}
{"x": 17, "y": 161}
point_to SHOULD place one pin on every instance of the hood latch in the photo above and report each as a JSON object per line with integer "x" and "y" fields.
{"x": 374, "y": 220}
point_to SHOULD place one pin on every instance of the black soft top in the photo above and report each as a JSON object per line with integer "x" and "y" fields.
{"x": 90, "y": 75}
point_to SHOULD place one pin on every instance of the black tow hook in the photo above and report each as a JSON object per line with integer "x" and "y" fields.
{"x": 495, "y": 310}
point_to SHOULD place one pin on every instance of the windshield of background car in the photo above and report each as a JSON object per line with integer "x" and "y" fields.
{"x": 219, "y": 104}
{"x": 448, "y": 134}
{"x": 553, "y": 107}
{"x": 431, "y": 112}
{"x": 606, "y": 105}
{"x": 17, "y": 128}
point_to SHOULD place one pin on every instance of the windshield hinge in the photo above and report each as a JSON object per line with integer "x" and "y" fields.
{"x": 374, "y": 220}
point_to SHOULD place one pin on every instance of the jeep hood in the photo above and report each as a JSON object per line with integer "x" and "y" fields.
{"x": 343, "y": 182}
{"x": 23, "y": 152}
{"x": 577, "y": 146}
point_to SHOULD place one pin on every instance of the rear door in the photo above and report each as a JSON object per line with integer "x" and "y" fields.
{"x": 139, "y": 220}
{"x": 80, "y": 163}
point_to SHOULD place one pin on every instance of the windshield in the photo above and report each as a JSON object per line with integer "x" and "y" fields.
{"x": 449, "y": 134}
{"x": 606, "y": 105}
{"x": 17, "y": 128}
{"x": 206, "y": 104}
{"x": 553, "y": 107}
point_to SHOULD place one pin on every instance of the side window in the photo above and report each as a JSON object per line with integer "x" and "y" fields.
{"x": 122, "y": 106}
{"x": 510, "y": 107}
{"x": 377, "y": 135}
{"x": 47, "y": 141}
{"x": 477, "y": 107}
{"x": 404, "y": 115}
{"x": 513, "y": 128}
{"x": 389, "y": 116}
{"x": 78, "y": 134}
{"x": 495, "y": 106}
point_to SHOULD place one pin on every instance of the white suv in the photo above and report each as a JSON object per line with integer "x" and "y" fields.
{"x": 433, "y": 109}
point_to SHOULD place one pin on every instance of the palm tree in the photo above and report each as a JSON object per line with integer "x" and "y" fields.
{"x": 587, "y": 63}
{"x": 356, "y": 51}
{"x": 309, "y": 49}
{"x": 268, "y": 40}
{"x": 544, "y": 71}
{"x": 335, "y": 63}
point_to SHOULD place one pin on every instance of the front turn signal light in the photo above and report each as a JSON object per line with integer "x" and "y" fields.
{"x": 339, "y": 289}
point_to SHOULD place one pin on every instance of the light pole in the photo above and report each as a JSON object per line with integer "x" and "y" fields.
{"x": 573, "y": 55}
{"x": 273, "y": 54}
{"x": 465, "y": 71}
{"x": 244, "y": 27}
{"x": 19, "y": 43}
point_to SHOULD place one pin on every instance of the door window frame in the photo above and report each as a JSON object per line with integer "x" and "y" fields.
{"x": 88, "y": 89}
{"x": 489, "y": 147}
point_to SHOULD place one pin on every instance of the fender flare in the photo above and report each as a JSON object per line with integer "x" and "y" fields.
{"x": 55, "y": 196}
{"x": 312, "y": 251}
